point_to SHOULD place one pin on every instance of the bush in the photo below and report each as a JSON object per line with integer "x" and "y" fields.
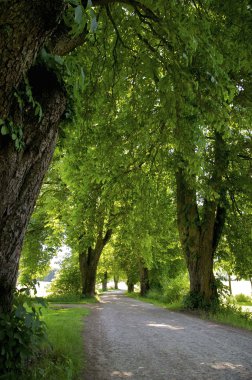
{"x": 21, "y": 333}
{"x": 68, "y": 278}
{"x": 194, "y": 300}
{"x": 233, "y": 315}
{"x": 243, "y": 298}
{"x": 176, "y": 288}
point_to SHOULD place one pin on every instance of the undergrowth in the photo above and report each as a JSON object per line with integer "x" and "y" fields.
{"x": 71, "y": 299}
{"x": 226, "y": 313}
{"x": 37, "y": 342}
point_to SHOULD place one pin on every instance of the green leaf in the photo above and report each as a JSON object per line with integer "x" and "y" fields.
{"x": 4, "y": 130}
{"x": 94, "y": 24}
{"x": 78, "y": 14}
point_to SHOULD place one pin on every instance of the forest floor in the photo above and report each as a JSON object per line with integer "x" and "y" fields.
{"x": 129, "y": 339}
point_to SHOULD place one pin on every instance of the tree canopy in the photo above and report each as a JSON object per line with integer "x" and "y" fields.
{"x": 157, "y": 113}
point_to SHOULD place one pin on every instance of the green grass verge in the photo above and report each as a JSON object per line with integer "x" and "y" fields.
{"x": 228, "y": 314}
{"x": 160, "y": 301}
{"x": 71, "y": 299}
{"x": 244, "y": 303}
{"x": 63, "y": 358}
{"x": 233, "y": 316}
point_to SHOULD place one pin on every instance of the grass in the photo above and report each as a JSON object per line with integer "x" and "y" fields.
{"x": 71, "y": 299}
{"x": 249, "y": 303}
{"x": 233, "y": 316}
{"x": 63, "y": 357}
{"x": 229, "y": 314}
{"x": 160, "y": 301}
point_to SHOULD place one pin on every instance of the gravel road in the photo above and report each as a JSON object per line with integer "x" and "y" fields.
{"x": 129, "y": 339}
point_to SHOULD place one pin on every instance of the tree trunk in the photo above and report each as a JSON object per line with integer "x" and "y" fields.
{"x": 88, "y": 262}
{"x": 229, "y": 284}
{"x": 144, "y": 281}
{"x": 116, "y": 280}
{"x": 200, "y": 236}
{"x": 105, "y": 282}
{"x": 130, "y": 285}
{"x": 25, "y": 27}
{"x": 22, "y": 172}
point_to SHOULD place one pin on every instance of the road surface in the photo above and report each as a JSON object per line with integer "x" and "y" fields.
{"x": 129, "y": 339}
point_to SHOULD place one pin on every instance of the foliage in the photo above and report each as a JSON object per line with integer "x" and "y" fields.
{"x": 21, "y": 333}
{"x": 232, "y": 315}
{"x": 242, "y": 298}
{"x": 174, "y": 289}
{"x": 63, "y": 359}
{"x": 67, "y": 280}
{"x": 193, "y": 300}
{"x": 159, "y": 90}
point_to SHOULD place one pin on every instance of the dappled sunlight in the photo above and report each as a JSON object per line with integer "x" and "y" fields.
{"x": 121, "y": 374}
{"x": 165, "y": 326}
{"x": 226, "y": 365}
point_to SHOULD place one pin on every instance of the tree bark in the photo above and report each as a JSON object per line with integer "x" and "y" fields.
{"x": 116, "y": 280}
{"x": 144, "y": 281}
{"x": 22, "y": 172}
{"x": 88, "y": 262}
{"x": 105, "y": 282}
{"x": 25, "y": 27}
{"x": 130, "y": 285}
{"x": 200, "y": 236}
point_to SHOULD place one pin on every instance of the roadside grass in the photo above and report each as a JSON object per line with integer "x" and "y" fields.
{"x": 244, "y": 303}
{"x": 158, "y": 301}
{"x": 232, "y": 315}
{"x": 62, "y": 357}
{"x": 71, "y": 299}
{"x": 229, "y": 314}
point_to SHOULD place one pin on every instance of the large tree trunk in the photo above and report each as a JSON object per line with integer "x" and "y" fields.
{"x": 25, "y": 27}
{"x": 88, "y": 262}
{"x": 22, "y": 172}
{"x": 130, "y": 285}
{"x": 200, "y": 236}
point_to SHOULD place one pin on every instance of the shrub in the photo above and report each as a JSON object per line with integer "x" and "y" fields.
{"x": 175, "y": 289}
{"x": 68, "y": 278}
{"x": 243, "y": 298}
{"x": 21, "y": 333}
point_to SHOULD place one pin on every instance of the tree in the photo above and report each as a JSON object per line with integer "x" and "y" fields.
{"x": 183, "y": 53}
{"x": 27, "y": 27}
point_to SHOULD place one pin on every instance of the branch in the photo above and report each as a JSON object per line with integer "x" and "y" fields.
{"x": 62, "y": 43}
{"x": 135, "y": 4}
{"x": 107, "y": 236}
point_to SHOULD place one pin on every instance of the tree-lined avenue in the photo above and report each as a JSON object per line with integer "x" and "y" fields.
{"x": 125, "y": 338}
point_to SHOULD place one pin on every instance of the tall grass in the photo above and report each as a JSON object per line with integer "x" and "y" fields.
{"x": 232, "y": 315}
{"x": 62, "y": 358}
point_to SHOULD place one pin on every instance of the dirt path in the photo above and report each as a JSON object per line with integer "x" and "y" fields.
{"x": 125, "y": 338}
